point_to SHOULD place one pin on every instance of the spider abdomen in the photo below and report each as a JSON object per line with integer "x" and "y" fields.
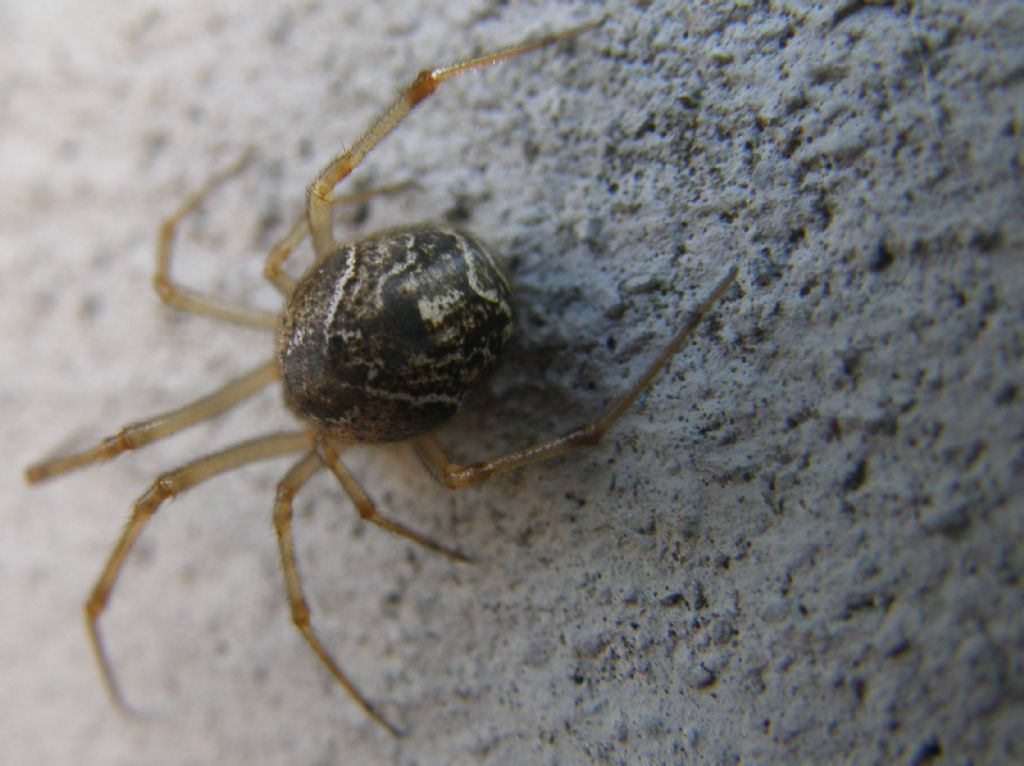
{"x": 384, "y": 338}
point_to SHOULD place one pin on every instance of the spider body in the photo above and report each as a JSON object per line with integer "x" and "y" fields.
{"x": 379, "y": 340}
{"x": 384, "y": 339}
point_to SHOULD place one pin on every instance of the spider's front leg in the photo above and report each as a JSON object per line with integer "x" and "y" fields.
{"x": 273, "y": 268}
{"x": 320, "y": 194}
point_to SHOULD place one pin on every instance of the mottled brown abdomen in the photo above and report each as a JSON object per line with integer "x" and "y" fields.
{"x": 383, "y": 339}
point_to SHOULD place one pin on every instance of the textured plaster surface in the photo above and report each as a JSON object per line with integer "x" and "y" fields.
{"x": 803, "y": 545}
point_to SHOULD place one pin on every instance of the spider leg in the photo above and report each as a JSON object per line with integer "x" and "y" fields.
{"x": 288, "y": 487}
{"x": 165, "y": 487}
{"x": 161, "y": 426}
{"x": 367, "y": 509}
{"x": 588, "y": 434}
{"x": 319, "y": 195}
{"x": 182, "y": 298}
{"x": 273, "y": 268}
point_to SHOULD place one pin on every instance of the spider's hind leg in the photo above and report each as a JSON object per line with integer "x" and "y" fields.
{"x": 287, "y": 488}
{"x": 164, "y": 488}
{"x": 367, "y": 509}
{"x": 456, "y": 476}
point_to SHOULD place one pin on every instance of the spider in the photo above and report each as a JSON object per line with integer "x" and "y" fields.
{"x": 379, "y": 341}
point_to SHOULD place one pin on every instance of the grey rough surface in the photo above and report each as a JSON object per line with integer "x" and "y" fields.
{"x": 804, "y": 545}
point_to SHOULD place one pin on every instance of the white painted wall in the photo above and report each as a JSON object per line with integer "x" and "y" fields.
{"x": 804, "y": 545}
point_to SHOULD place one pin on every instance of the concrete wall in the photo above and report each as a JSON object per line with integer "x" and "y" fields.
{"x": 803, "y": 544}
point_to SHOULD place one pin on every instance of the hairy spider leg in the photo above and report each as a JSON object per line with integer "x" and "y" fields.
{"x": 163, "y": 488}
{"x": 161, "y": 426}
{"x": 329, "y": 448}
{"x": 455, "y": 476}
{"x": 288, "y": 487}
{"x": 319, "y": 195}
{"x": 273, "y": 268}
{"x": 185, "y": 299}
